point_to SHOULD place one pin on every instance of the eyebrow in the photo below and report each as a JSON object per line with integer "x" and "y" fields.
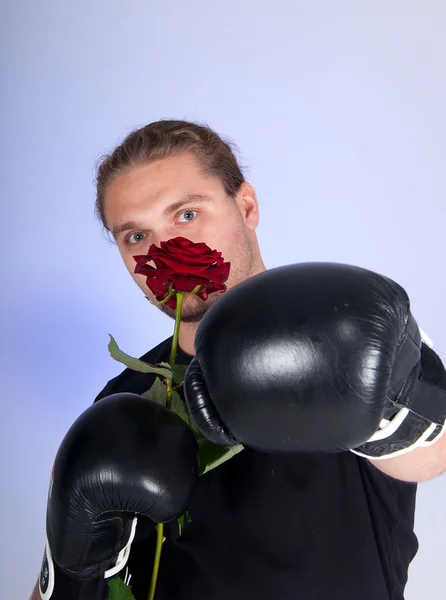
{"x": 196, "y": 198}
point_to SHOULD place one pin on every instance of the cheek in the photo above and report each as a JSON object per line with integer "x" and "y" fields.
{"x": 140, "y": 280}
{"x": 231, "y": 243}
{"x": 130, "y": 263}
{"x": 223, "y": 239}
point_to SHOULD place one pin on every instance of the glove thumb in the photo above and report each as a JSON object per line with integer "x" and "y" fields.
{"x": 202, "y": 409}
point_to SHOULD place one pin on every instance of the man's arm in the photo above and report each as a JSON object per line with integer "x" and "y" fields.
{"x": 36, "y": 594}
{"x": 416, "y": 466}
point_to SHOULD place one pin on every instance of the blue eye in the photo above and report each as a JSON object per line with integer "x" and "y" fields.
{"x": 132, "y": 236}
{"x": 188, "y": 212}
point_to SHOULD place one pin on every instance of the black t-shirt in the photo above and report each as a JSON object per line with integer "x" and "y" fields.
{"x": 279, "y": 526}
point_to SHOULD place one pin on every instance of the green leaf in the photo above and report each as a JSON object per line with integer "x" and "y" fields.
{"x": 181, "y": 520}
{"x": 180, "y": 525}
{"x": 197, "y": 433}
{"x": 157, "y": 392}
{"x": 164, "y": 364}
{"x": 212, "y": 456}
{"x": 135, "y": 363}
{"x": 179, "y": 407}
{"x": 179, "y": 373}
{"x": 119, "y": 590}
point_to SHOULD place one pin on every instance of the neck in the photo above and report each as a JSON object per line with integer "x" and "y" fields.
{"x": 186, "y": 335}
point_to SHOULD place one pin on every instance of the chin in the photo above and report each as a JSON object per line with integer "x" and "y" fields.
{"x": 194, "y": 308}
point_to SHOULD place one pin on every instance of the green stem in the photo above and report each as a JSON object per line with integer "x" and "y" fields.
{"x": 156, "y": 564}
{"x": 173, "y": 353}
{"x": 173, "y": 350}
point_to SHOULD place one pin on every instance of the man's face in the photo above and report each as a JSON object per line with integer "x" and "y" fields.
{"x": 173, "y": 197}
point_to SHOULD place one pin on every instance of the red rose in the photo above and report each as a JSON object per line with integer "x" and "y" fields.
{"x": 183, "y": 265}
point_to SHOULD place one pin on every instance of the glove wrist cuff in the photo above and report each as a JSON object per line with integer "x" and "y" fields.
{"x": 418, "y": 414}
{"x": 57, "y": 583}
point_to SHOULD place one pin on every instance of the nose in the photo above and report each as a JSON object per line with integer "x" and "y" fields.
{"x": 170, "y": 233}
{"x": 162, "y": 235}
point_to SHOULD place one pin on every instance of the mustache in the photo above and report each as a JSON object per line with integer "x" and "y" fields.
{"x": 191, "y": 314}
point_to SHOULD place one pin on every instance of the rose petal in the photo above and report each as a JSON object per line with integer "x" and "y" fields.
{"x": 183, "y": 265}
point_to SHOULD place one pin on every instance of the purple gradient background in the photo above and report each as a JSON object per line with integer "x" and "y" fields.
{"x": 339, "y": 111}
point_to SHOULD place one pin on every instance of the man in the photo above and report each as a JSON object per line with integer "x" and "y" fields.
{"x": 263, "y": 524}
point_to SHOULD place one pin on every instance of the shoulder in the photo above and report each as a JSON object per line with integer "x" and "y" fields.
{"x": 133, "y": 381}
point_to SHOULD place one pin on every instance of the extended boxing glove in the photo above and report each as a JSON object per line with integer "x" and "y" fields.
{"x": 316, "y": 357}
{"x": 124, "y": 456}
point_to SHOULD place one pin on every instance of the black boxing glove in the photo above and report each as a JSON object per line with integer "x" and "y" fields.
{"x": 124, "y": 456}
{"x": 417, "y": 416}
{"x": 315, "y": 357}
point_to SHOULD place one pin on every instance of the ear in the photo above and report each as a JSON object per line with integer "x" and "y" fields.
{"x": 248, "y": 204}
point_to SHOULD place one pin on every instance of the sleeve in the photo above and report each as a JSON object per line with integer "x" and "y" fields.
{"x": 107, "y": 390}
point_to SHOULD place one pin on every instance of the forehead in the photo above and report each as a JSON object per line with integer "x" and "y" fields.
{"x": 161, "y": 180}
